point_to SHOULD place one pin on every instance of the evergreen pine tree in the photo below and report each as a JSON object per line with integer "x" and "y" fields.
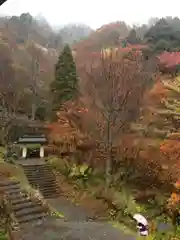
{"x": 65, "y": 85}
{"x": 132, "y": 38}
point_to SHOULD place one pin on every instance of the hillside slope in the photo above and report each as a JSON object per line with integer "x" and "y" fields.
{"x": 107, "y": 36}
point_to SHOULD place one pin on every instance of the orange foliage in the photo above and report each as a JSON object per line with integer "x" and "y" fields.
{"x": 67, "y": 131}
{"x": 170, "y": 155}
{"x": 174, "y": 200}
{"x": 143, "y": 155}
{"x": 171, "y": 149}
{"x": 177, "y": 184}
{"x": 157, "y": 93}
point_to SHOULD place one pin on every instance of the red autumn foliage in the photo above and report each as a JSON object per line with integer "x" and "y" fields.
{"x": 168, "y": 61}
{"x": 170, "y": 58}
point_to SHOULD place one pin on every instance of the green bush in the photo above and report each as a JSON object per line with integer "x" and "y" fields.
{"x": 164, "y": 236}
{"x": 60, "y": 165}
{"x": 3, "y": 235}
{"x": 81, "y": 172}
{"x": 126, "y": 203}
{"x": 72, "y": 171}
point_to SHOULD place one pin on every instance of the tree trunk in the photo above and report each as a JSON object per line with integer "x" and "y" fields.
{"x": 33, "y": 111}
{"x": 109, "y": 154}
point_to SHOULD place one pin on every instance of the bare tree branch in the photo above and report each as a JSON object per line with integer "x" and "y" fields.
{"x": 115, "y": 87}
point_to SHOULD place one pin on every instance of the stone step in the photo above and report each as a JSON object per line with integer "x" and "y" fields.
{"x": 50, "y": 193}
{"x": 43, "y": 188}
{"x": 51, "y": 189}
{"x": 9, "y": 187}
{"x": 33, "y": 217}
{"x": 30, "y": 173}
{"x": 41, "y": 176}
{"x": 44, "y": 164}
{"x": 8, "y": 182}
{"x": 36, "y": 168}
{"x": 21, "y": 200}
{"x": 48, "y": 186}
{"x": 51, "y": 196}
{"x": 48, "y": 189}
{"x": 24, "y": 205}
{"x": 44, "y": 181}
{"x": 25, "y": 209}
{"x": 43, "y": 185}
{"x": 13, "y": 191}
{"x": 33, "y": 173}
{"x": 18, "y": 196}
{"x": 14, "y": 194}
{"x": 29, "y": 211}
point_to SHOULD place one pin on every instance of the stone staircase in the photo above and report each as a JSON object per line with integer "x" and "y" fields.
{"x": 41, "y": 177}
{"x": 25, "y": 209}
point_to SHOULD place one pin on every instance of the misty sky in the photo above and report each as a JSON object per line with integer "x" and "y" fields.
{"x": 93, "y": 12}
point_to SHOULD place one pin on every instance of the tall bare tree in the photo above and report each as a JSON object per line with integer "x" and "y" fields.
{"x": 8, "y": 104}
{"x": 36, "y": 83}
{"x": 115, "y": 86}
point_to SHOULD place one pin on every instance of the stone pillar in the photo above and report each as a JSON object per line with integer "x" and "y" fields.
{"x": 41, "y": 152}
{"x": 24, "y": 152}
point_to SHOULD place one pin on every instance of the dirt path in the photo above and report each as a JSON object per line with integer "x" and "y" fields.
{"x": 75, "y": 226}
{"x": 59, "y": 229}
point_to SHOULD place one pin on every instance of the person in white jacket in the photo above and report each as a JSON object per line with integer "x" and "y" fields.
{"x": 142, "y": 224}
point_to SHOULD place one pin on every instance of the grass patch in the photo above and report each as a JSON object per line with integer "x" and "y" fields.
{"x": 56, "y": 213}
{"x": 12, "y": 171}
{"x": 3, "y": 235}
{"x": 122, "y": 227}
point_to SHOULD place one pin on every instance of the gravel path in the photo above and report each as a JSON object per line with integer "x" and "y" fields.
{"x": 75, "y": 226}
{"x": 50, "y": 229}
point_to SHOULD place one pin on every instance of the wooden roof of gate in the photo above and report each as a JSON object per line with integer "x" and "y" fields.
{"x": 32, "y": 139}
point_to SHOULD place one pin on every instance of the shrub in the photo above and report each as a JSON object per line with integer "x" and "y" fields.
{"x": 126, "y": 204}
{"x": 81, "y": 172}
{"x": 3, "y": 236}
{"x": 72, "y": 171}
{"x": 60, "y": 165}
{"x": 164, "y": 235}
